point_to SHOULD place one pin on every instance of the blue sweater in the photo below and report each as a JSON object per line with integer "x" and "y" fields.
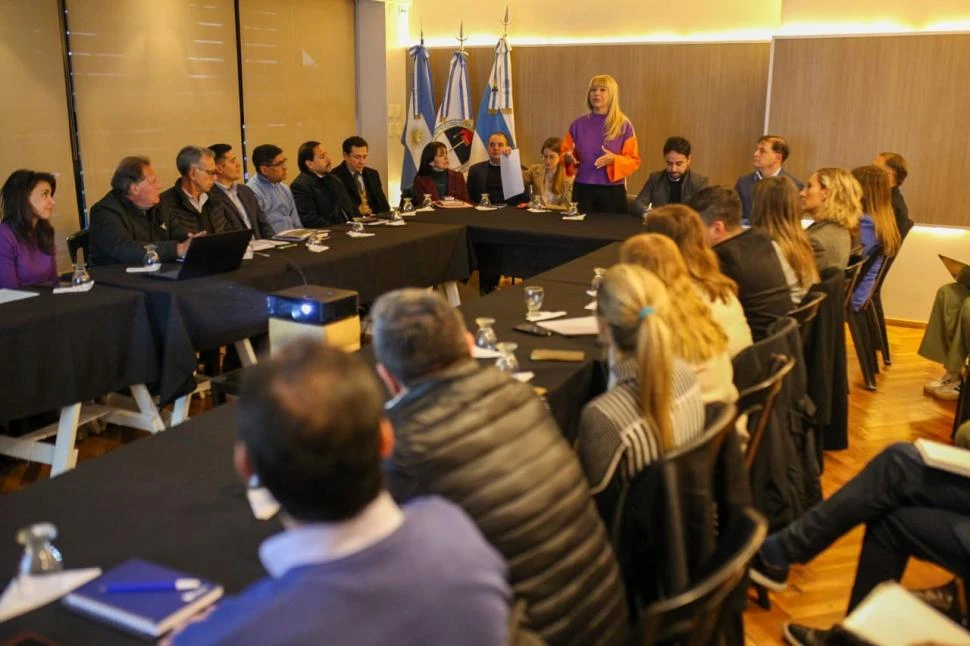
{"x": 867, "y": 236}
{"x": 434, "y": 580}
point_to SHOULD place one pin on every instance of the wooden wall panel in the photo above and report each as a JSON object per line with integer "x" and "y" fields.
{"x": 711, "y": 93}
{"x": 839, "y": 101}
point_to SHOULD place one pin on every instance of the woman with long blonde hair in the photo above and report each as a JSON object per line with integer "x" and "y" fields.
{"x": 878, "y": 232}
{"x": 833, "y": 198}
{"x": 776, "y": 210}
{"x": 659, "y": 254}
{"x": 603, "y": 144}
{"x": 656, "y": 404}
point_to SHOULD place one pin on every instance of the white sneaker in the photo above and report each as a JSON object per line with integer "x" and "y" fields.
{"x": 948, "y": 392}
{"x": 931, "y": 387}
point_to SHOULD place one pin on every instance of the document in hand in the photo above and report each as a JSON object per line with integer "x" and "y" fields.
{"x": 511, "y": 167}
{"x": 944, "y": 457}
{"x": 890, "y": 615}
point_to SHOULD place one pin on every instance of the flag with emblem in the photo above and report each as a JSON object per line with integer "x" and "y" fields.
{"x": 495, "y": 111}
{"x": 454, "y": 125}
{"x": 420, "y": 115}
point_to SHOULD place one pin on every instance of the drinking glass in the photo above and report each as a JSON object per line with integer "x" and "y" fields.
{"x": 536, "y": 201}
{"x": 408, "y": 205}
{"x": 485, "y": 336}
{"x": 357, "y": 227}
{"x": 81, "y": 275}
{"x": 573, "y": 208}
{"x": 594, "y": 285}
{"x": 396, "y": 215}
{"x": 485, "y": 201}
{"x": 427, "y": 200}
{"x": 533, "y": 300}
{"x": 646, "y": 213}
{"x": 40, "y": 556}
{"x": 151, "y": 256}
{"x": 506, "y": 361}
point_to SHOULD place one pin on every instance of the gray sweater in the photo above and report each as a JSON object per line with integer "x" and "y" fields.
{"x": 831, "y": 243}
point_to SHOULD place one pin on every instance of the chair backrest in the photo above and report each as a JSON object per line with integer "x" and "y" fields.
{"x": 852, "y": 273}
{"x": 77, "y": 241}
{"x": 667, "y": 531}
{"x": 758, "y": 400}
{"x": 696, "y": 616}
{"x": 806, "y": 312}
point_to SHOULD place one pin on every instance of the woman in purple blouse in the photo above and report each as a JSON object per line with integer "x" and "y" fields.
{"x": 26, "y": 234}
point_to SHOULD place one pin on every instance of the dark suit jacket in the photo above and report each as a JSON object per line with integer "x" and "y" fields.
{"x": 372, "y": 183}
{"x": 456, "y": 187}
{"x": 213, "y": 219}
{"x": 901, "y": 211}
{"x": 322, "y": 201}
{"x": 261, "y": 228}
{"x": 657, "y": 188}
{"x": 119, "y": 231}
{"x": 477, "y": 184}
{"x": 745, "y": 188}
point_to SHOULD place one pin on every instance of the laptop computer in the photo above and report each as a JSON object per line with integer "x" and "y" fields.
{"x": 210, "y": 254}
{"x": 959, "y": 270}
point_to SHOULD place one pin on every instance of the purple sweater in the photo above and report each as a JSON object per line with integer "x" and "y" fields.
{"x": 21, "y": 264}
{"x": 587, "y": 133}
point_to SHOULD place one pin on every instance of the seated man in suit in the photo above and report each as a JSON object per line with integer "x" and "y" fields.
{"x": 129, "y": 217}
{"x": 363, "y": 184}
{"x": 273, "y": 195}
{"x": 240, "y": 201}
{"x": 908, "y": 508}
{"x": 677, "y": 183}
{"x": 351, "y": 565}
{"x": 321, "y": 198}
{"x": 746, "y": 256}
{"x": 486, "y": 176}
{"x": 481, "y": 439}
{"x": 188, "y": 201}
{"x": 770, "y": 153}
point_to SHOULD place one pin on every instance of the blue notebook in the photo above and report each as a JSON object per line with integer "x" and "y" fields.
{"x": 146, "y": 614}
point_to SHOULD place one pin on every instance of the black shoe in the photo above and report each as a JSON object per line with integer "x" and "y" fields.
{"x": 799, "y": 635}
{"x": 770, "y": 576}
{"x": 948, "y": 599}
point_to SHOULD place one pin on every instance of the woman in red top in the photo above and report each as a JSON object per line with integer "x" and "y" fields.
{"x": 435, "y": 178}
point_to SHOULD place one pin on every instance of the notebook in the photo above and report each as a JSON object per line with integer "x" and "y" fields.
{"x": 148, "y": 614}
{"x": 959, "y": 270}
{"x": 944, "y": 457}
{"x": 890, "y": 615}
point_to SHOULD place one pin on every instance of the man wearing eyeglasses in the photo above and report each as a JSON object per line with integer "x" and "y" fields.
{"x": 188, "y": 203}
{"x": 273, "y": 195}
{"x": 362, "y": 183}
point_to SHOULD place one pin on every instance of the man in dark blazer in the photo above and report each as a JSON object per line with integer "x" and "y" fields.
{"x": 486, "y": 176}
{"x": 321, "y": 199}
{"x": 187, "y": 202}
{"x": 363, "y": 184}
{"x": 677, "y": 183}
{"x": 770, "y": 153}
{"x": 238, "y": 199}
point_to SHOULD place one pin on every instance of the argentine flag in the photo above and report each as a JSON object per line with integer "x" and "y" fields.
{"x": 495, "y": 111}
{"x": 420, "y": 116}
{"x": 454, "y": 125}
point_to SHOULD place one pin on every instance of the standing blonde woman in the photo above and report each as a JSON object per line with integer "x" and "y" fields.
{"x": 833, "y": 198}
{"x": 549, "y": 179}
{"x": 659, "y": 254}
{"x": 603, "y": 144}
{"x": 656, "y": 403}
{"x": 877, "y": 227}
{"x": 776, "y": 210}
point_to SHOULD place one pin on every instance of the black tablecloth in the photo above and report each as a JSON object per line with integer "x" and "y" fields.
{"x": 205, "y": 313}
{"x": 64, "y": 348}
{"x": 172, "y": 498}
{"x": 580, "y": 270}
{"x": 512, "y": 241}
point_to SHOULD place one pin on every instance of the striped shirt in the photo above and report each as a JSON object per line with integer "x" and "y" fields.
{"x": 614, "y": 440}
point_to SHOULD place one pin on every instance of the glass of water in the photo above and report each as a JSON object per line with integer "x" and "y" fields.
{"x": 594, "y": 285}
{"x": 81, "y": 275}
{"x": 427, "y": 200}
{"x": 507, "y": 362}
{"x": 357, "y": 227}
{"x": 485, "y": 201}
{"x": 573, "y": 208}
{"x": 536, "y": 201}
{"x": 408, "y": 205}
{"x": 485, "y": 336}
{"x": 533, "y": 300}
{"x": 151, "y": 256}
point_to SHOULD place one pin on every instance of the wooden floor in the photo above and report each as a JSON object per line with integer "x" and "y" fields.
{"x": 818, "y": 592}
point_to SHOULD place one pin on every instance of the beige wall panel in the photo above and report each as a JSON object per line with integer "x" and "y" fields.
{"x": 298, "y": 74}
{"x": 151, "y": 78}
{"x": 711, "y": 93}
{"x": 35, "y": 132}
{"x": 841, "y": 100}
{"x": 904, "y": 13}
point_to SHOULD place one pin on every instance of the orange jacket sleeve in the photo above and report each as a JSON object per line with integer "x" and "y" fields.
{"x": 626, "y": 162}
{"x": 568, "y": 146}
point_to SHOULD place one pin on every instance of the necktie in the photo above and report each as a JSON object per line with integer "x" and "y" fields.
{"x": 364, "y": 206}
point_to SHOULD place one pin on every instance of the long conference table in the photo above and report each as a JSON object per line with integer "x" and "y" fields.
{"x": 173, "y": 497}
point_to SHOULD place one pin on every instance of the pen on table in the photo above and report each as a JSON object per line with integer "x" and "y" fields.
{"x": 178, "y": 585}
{"x": 287, "y": 246}
{"x": 260, "y": 253}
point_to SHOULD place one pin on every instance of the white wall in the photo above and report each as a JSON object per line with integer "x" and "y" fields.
{"x": 917, "y": 273}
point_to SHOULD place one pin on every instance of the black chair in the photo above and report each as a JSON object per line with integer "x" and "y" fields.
{"x": 697, "y": 616}
{"x": 852, "y": 273}
{"x": 805, "y": 314}
{"x": 880, "y": 318}
{"x": 757, "y": 402}
{"x": 859, "y": 325}
{"x": 77, "y": 241}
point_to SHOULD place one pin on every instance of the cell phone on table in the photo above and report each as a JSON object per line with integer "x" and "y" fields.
{"x": 533, "y": 329}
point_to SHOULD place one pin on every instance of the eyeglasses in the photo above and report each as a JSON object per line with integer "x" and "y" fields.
{"x": 278, "y": 164}
{"x": 210, "y": 173}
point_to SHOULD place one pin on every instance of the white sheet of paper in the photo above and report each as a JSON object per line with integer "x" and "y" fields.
{"x": 524, "y": 377}
{"x": 143, "y": 270}
{"x": 354, "y": 234}
{"x": 582, "y": 326}
{"x": 544, "y": 316}
{"x": 591, "y": 307}
{"x": 262, "y": 502}
{"x": 891, "y": 615}
{"x": 486, "y": 208}
{"x": 24, "y": 593}
{"x": 392, "y": 223}
{"x": 75, "y": 289}
{"x": 482, "y": 353}
{"x": 575, "y": 218}
{"x": 11, "y": 295}
{"x": 511, "y": 167}
{"x": 264, "y": 244}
